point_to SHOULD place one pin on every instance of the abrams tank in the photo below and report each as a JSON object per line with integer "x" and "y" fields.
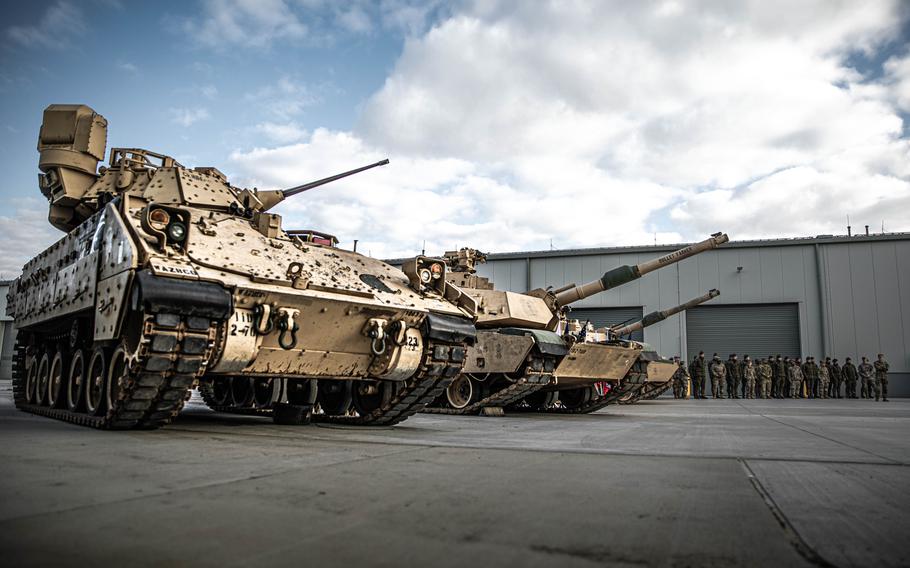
{"x": 647, "y": 377}
{"x": 171, "y": 277}
{"x": 520, "y": 349}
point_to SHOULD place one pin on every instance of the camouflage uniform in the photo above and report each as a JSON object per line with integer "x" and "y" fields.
{"x": 881, "y": 378}
{"x": 824, "y": 378}
{"x": 866, "y": 371}
{"x": 680, "y": 381}
{"x": 850, "y": 376}
{"x": 697, "y": 370}
{"x": 810, "y": 376}
{"x": 783, "y": 386}
{"x": 749, "y": 378}
{"x": 765, "y": 376}
{"x": 718, "y": 374}
{"x": 734, "y": 376}
{"x": 837, "y": 379}
{"x": 795, "y": 374}
{"x": 742, "y": 367}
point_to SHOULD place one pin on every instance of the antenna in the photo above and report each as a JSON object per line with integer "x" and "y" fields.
{"x": 849, "y": 230}
{"x": 423, "y": 251}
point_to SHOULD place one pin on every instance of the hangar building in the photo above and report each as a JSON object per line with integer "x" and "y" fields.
{"x": 834, "y": 296}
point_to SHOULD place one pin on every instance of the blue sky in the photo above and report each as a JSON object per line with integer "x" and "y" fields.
{"x": 509, "y": 125}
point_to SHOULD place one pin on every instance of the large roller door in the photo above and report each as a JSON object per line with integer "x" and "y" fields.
{"x": 758, "y": 330}
{"x": 604, "y": 317}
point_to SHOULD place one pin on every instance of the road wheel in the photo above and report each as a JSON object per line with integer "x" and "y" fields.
{"x": 75, "y": 381}
{"x": 575, "y": 398}
{"x": 58, "y": 374}
{"x": 302, "y": 392}
{"x": 334, "y": 397}
{"x": 242, "y": 392}
{"x": 368, "y": 396}
{"x": 95, "y": 382}
{"x": 460, "y": 393}
{"x": 266, "y": 392}
{"x": 44, "y": 378}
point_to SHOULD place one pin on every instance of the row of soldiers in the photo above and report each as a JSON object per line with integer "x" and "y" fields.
{"x": 782, "y": 377}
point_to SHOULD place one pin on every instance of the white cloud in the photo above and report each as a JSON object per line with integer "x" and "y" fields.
{"x": 614, "y": 113}
{"x": 244, "y": 23}
{"x": 284, "y": 99}
{"x": 59, "y": 25}
{"x": 897, "y": 70}
{"x": 128, "y": 67}
{"x": 355, "y": 19}
{"x": 188, "y": 116}
{"x": 281, "y": 133}
{"x": 23, "y": 234}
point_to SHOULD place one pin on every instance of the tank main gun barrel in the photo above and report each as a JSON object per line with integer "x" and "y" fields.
{"x": 269, "y": 199}
{"x": 627, "y": 273}
{"x": 661, "y": 315}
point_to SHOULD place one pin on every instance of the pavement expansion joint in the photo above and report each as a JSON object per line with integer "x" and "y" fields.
{"x": 790, "y": 532}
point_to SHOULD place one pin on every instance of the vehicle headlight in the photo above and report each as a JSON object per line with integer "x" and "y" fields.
{"x": 436, "y": 270}
{"x": 425, "y": 275}
{"x": 176, "y": 232}
{"x": 159, "y": 218}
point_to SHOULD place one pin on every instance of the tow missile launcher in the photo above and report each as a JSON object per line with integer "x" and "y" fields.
{"x": 171, "y": 277}
{"x": 648, "y": 373}
{"x": 520, "y": 349}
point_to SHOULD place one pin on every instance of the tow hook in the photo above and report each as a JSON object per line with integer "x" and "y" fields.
{"x": 262, "y": 319}
{"x": 287, "y": 325}
{"x": 375, "y": 329}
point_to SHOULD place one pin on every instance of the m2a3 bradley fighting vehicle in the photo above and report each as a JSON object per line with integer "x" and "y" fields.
{"x": 520, "y": 348}
{"x": 170, "y": 277}
{"x": 648, "y": 377}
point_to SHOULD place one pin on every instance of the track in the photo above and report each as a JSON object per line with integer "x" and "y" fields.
{"x": 537, "y": 374}
{"x": 628, "y": 388}
{"x": 648, "y": 391}
{"x": 155, "y": 384}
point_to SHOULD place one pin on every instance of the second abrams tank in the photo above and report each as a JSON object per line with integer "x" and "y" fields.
{"x": 171, "y": 277}
{"x": 520, "y": 349}
{"x": 647, "y": 377}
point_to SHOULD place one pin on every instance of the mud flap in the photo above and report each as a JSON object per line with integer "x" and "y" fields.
{"x": 547, "y": 342}
{"x": 450, "y": 329}
{"x": 189, "y": 298}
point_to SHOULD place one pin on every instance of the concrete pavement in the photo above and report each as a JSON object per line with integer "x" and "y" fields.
{"x": 664, "y": 483}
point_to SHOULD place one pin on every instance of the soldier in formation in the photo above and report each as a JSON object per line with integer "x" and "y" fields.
{"x": 749, "y": 376}
{"x": 824, "y": 379}
{"x": 765, "y": 378}
{"x": 680, "y": 380}
{"x": 697, "y": 371}
{"x": 734, "y": 376}
{"x": 718, "y": 377}
{"x": 850, "y": 377}
{"x": 866, "y": 372}
{"x": 782, "y": 377}
{"x": 881, "y": 378}
{"x": 837, "y": 379}
{"x": 795, "y": 374}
